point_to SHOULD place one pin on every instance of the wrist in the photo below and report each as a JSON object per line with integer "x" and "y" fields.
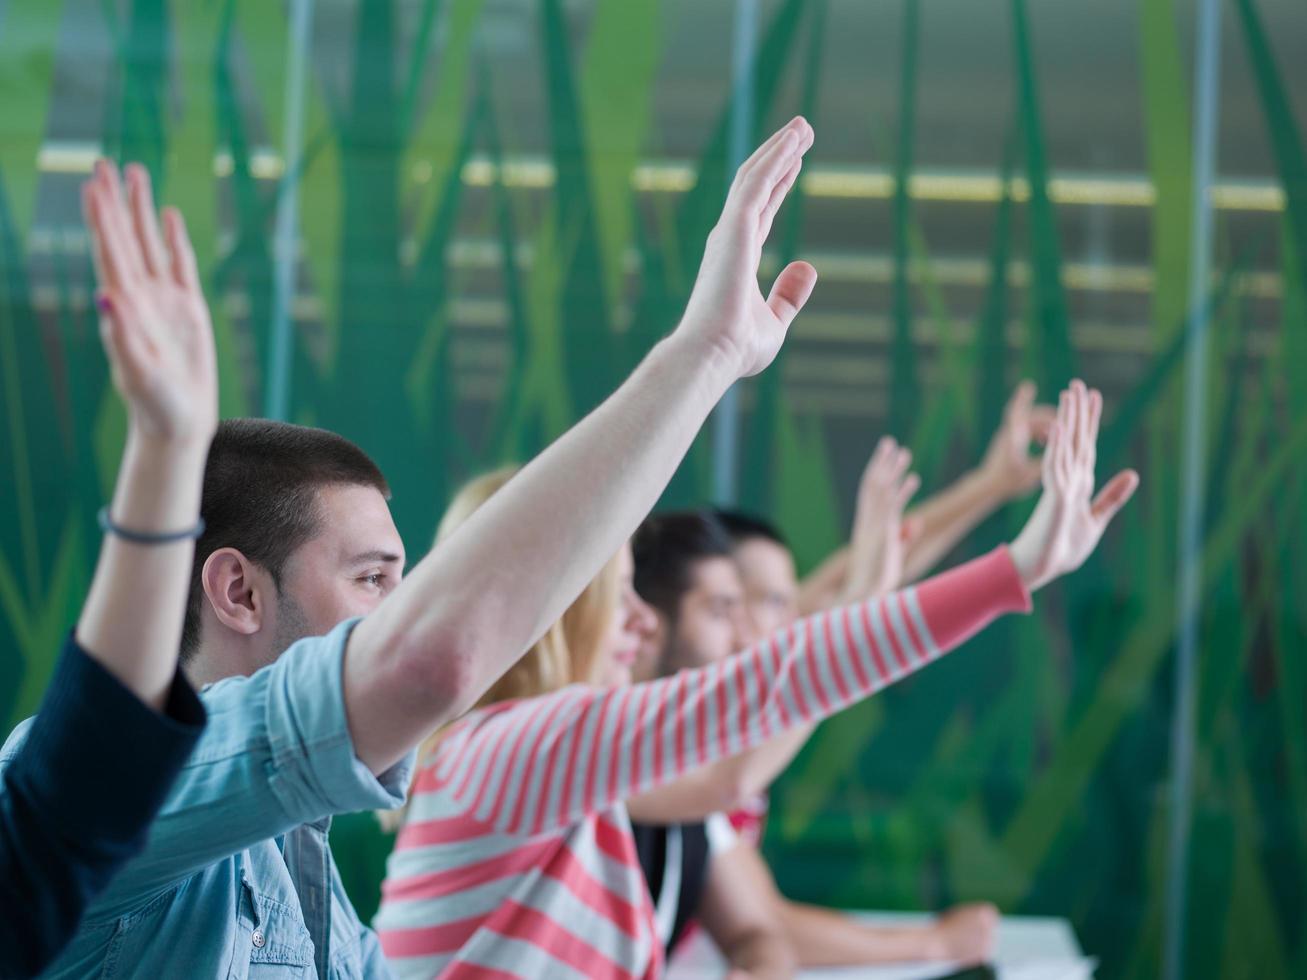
{"x": 177, "y": 449}
{"x": 159, "y": 483}
{"x": 934, "y": 945}
{"x": 688, "y": 354}
{"x": 990, "y": 482}
{"x": 1027, "y": 561}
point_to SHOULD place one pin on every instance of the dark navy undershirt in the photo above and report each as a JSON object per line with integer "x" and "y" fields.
{"x": 651, "y": 845}
{"x": 77, "y": 799}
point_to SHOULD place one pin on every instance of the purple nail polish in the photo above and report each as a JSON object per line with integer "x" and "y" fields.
{"x": 102, "y": 303}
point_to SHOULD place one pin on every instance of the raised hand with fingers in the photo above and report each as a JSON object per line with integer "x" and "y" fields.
{"x": 1068, "y": 521}
{"x": 878, "y": 546}
{"x": 727, "y": 310}
{"x": 154, "y": 321}
{"x": 1008, "y": 465}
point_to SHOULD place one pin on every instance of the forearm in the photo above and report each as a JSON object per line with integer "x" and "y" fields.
{"x": 516, "y": 565}
{"x": 826, "y": 937}
{"x": 721, "y": 785}
{"x": 739, "y": 911}
{"x": 949, "y": 516}
{"x": 157, "y": 491}
{"x": 757, "y": 769}
{"x": 472, "y": 607}
{"x": 820, "y": 588}
{"x": 762, "y": 955}
{"x": 941, "y": 522}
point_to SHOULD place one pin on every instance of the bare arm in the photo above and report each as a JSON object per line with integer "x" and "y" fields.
{"x": 820, "y": 936}
{"x": 740, "y": 911}
{"x": 947, "y": 518}
{"x": 156, "y": 332}
{"x": 721, "y": 785}
{"x": 472, "y": 607}
{"x": 827, "y": 937}
{"x": 822, "y": 585}
{"x": 1007, "y": 472}
{"x": 872, "y": 563}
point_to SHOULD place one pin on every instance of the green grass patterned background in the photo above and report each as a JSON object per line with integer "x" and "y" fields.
{"x": 1032, "y": 769}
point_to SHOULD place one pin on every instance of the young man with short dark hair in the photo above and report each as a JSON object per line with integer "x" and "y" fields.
{"x": 299, "y": 512}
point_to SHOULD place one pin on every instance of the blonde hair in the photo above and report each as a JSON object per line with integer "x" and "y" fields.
{"x": 568, "y": 653}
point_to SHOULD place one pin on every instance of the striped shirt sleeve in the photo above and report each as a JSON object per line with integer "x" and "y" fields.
{"x": 535, "y": 765}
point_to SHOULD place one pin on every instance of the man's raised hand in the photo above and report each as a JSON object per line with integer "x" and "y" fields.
{"x": 727, "y": 311}
{"x": 1009, "y": 466}
{"x": 877, "y": 547}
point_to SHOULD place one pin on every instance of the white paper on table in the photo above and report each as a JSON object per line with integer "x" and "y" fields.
{"x": 1059, "y": 969}
{"x": 1028, "y": 948}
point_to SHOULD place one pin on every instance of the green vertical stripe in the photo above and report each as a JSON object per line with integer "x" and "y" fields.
{"x": 1057, "y": 360}
{"x": 905, "y": 403}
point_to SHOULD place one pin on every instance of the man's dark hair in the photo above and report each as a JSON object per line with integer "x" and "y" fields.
{"x": 667, "y": 546}
{"x": 744, "y": 527}
{"x": 261, "y": 483}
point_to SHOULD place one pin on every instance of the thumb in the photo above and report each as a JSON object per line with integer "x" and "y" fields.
{"x": 910, "y": 529}
{"x": 1115, "y": 495}
{"x": 791, "y": 290}
{"x": 1041, "y": 420}
{"x": 1022, "y": 398}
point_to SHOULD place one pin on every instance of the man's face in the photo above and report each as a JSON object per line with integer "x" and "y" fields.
{"x": 354, "y": 562}
{"x": 771, "y": 587}
{"x": 711, "y": 621}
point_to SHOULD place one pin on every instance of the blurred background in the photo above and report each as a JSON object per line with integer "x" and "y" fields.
{"x": 447, "y": 228}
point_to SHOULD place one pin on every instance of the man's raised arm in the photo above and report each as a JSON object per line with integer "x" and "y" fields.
{"x": 470, "y": 609}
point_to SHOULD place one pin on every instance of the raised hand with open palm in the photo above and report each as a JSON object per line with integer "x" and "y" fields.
{"x": 1009, "y": 466}
{"x": 156, "y": 334}
{"x": 1069, "y": 520}
{"x": 878, "y": 545}
{"x": 727, "y": 310}
{"x": 154, "y": 321}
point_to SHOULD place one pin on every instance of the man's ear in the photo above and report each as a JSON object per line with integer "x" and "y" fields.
{"x": 237, "y": 589}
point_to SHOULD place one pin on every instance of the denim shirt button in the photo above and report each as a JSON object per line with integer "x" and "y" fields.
{"x": 257, "y": 939}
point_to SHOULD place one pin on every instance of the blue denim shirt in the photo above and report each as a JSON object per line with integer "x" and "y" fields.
{"x": 212, "y": 894}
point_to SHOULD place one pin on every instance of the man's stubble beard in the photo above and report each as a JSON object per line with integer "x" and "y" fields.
{"x": 292, "y": 624}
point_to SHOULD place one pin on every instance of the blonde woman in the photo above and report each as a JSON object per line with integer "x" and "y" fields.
{"x": 516, "y": 858}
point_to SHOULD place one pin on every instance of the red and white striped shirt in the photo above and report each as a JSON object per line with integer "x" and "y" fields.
{"x": 516, "y": 859}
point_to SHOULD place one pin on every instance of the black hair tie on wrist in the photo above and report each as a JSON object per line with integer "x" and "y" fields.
{"x": 147, "y": 537}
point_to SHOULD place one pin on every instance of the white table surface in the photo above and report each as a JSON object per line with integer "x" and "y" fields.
{"x": 1028, "y": 948}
